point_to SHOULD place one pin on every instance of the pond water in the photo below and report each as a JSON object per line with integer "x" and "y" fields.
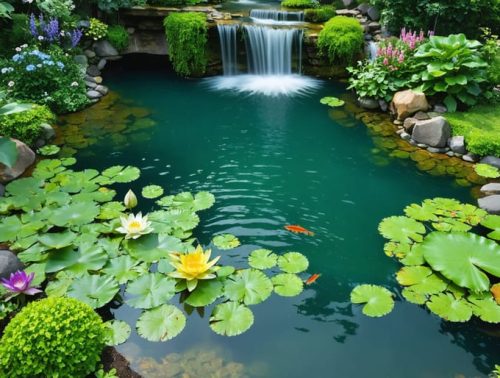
{"x": 272, "y": 161}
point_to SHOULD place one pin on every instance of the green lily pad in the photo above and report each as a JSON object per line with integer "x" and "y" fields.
{"x": 186, "y": 201}
{"x": 249, "y": 286}
{"x": 57, "y": 240}
{"x": 493, "y": 223}
{"x": 485, "y": 307}
{"x": 39, "y": 271}
{"x": 226, "y": 241}
{"x": 161, "y": 324}
{"x": 49, "y": 150}
{"x": 117, "y": 332}
{"x": 10, "y": 228}
{"x": 88, "y": 258}
{"x": 224, "y": 271}
{"x": 399, "y": 250}
{"x": 413, "y": 296}
{"x": 425, "y": 212}
{"x": 333, "y": 102}
{"x": 262, "y": 259}
{"x": 185, "y": 220}
{"x": 75, "y": 214}
{"x": 153, "y": 247}
{"x": 231, "y": 319}
{"x": 165, "y": 266}
{"x": 414, "y": 257}
{"x": 111, "y": 210}
{"x": 203, "y": 201}
{"x": 150, "y": 290}
{"x": 206, "y": 293}
{"x": 119, "y": 174}
{"x": 96, "y": 291}
{"x": 60, "y": 286}
{"x": 486, "y": 170}
{"x": 401, "y": 229}
{"x": 287, "y": 285}
{"x": 421, "y": 280}
{"x": 124, "y": 269}
{"x": 378, "y": 300}
{"x": 152, "y": 191}
{"x": 450, "y": 308}
{"x": 293, "y": 262}
{"x": 462, "y": 257}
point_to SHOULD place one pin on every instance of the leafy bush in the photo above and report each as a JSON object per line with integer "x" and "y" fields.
{"x": 53, "y": 337}
{"x": 110, "y": 6}
{"x": 118, "y": 37}
{"x": 491, "y": 54}
{"x": 51, "y": 78}
{"x": 187, "y": 40}
{"x": 13, "y": 33}
{"x": 321, "y": 14}
{"x": 341, "y": 39}
{"x": 451, "y": 66}
{"x": 168, "y": 3}
{"x": 26, "y": 126}
{"x": 97, "y": 29}
{"x": 56, "y": 8}
{"x": 302, "y": 4}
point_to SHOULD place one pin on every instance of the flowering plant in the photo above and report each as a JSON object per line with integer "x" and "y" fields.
{"x": 51, "y": 31}
{"x": 20, "y": 283}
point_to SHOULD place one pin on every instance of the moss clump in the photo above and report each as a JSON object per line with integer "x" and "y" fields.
{"x": 53, "y": 337}
{"x": 187, "y": 40}
{"x": 26, "y": 126}
{"x": 118, "y": 37}
{"x": 301, "y": 4}
{"x": 341, "y": 39}
{"x": 321, "y": 14}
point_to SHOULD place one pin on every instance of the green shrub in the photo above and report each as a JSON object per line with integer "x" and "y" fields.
{"x": 169, "y": 3}
{"x": 341, "y": 39}
{"x": 302, "y": 4}
{"x": 26, "y": 126}
{"x": 97, "y": 29}
{"x": 13, "y": 33}
{"x": 53, "y": 337}
{"x": 118, "y": 37}
{"x": 321, "y": 14}
{"x": 187, "y": 40}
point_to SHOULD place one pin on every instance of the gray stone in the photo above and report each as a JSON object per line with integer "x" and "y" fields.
{"x": 434, "y": 132}
{"x": 421, "y": 116}
{"x": 347, "y": 12}
{"x": 90, "y": 78}
{"x": 90, "y": 54}
{"x": 422, "y": 145}
{"x": 409, "y": 123}
{"x": 90, "y": 84}
{"x": 491, "y": 160}
{"x": 98, "y": 79}
{"x": 412, "y": 142}
{"x": 457, "y": 144}
{"x": 397, "y": 122}
{"x": 450, "y": 153}
{"x": 9, "y": 263}
{"x": 81, "y": 60}
{"x": 130, "y": 30}
{"x": 405, "y": 136}
{"x": 435, "y": 150}
{"x": 374, "y": 26}
{"x": 2, "y": 190}
{"x": 368, "y": 103}
{"x": 368, "y": 37}
{"x": 373, "y": 13}
{"x": 438, "y": 108}
{"x": 383, "y": 105}
{"x": 93, "y": 71}
{"x": 400, "y": 131}
{"x": 26, "y": 157}
{"x": 48, "y": 131}
{"x": 104, "y": 48}
{"x": 491, "y": 188}
{"x": 491, "y": 204}
{"x": 471, "y": 158}
{"x": 102, "y": 63}
{"x": 457, "y": 154}
{"x": 94, "y": 95}
{"x": 40, "y": 142}
{"x": 363, "y": 8}
{"x": 102, "y": 89}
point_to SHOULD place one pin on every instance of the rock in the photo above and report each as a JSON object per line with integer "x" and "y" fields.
{"x": 383, "y": 105}
{"x": 440, "y": 108}
{"x": 347, "y": 3}
{"x": 81, "y": 60}
{"x": 94, "y": 95}
{"x": 491, "y": 188}
{"x": 90, "y": 84}
{"x": 130, "y": 30}
{"x": 409, "y": 123}
{"x": 104, "y": 49}
{"x": 90, "y": 54}
{"x": 9, "y": 263}
{"x": 98, "y": 79}
{"x": 397, "y": 122}
{"x": 374, "y": 26}
{"x": 435, "y": 150}
{"x": 93, "y": 71}
{"x": 457, "y": 144}
{"x": 40, "y": 142}
{"x": 368, "y": 37}
{"x": 102, "y": 89}
{"x": 102, "y": 63}
{"x": 450, "y": 153}
{"x": 368, "y": 103}
{"x": 363, "y": 8}
{"x": 422, "y": 145}
{"x": 421, "y": 116}
{"x": 346, "y": 12}
{"x": 26, "y": 157}
{"x": 491, "y": 204}
{"x": 400, "y": 131}
{"x": 471, "y": 158}
{"x": 491, "y": 160}
{"x": 48, "y": 131}
{"x": 434, "y": 132}
{"x": 373, "y": 13}
{"x": 412, "y": 142}
{"x": 405, "y": 136}
{"x": 406, "y": 103}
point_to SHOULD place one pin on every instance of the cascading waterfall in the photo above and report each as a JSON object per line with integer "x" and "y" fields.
{"x": 228, "y": 47}
{"x": 371, "y": 49}
{"x": 276, "y": 15}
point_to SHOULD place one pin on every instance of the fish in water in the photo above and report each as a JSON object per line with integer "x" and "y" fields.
{"x": 312, "y": 279}
{"x": 298, "y": 230}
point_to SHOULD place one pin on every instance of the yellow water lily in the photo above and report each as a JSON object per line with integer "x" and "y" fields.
{"x": 194, "y": 265}
{"x": 134, "y": 226}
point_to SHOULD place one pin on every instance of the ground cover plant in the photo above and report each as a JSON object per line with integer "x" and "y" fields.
{"x": 341, "y": 39}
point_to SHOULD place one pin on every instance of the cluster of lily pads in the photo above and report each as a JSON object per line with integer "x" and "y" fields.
{"x": 450, "y": 257}
{"x": 78, "y": 241}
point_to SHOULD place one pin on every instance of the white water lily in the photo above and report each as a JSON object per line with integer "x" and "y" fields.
{"x": 134, "y": 226}
{"x": 130, "y": 200}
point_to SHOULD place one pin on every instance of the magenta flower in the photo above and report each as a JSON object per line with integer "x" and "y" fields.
{"x": 20, "y": 283}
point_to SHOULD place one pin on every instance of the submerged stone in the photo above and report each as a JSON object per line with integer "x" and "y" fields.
{"x": 490, "y": 203}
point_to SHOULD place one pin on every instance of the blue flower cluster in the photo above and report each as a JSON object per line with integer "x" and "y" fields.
{"x": 6, "y": 70}
{"x": 44, "y": 58}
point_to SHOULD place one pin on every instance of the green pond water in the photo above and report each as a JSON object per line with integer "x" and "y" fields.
{"x": 277, "y": 161}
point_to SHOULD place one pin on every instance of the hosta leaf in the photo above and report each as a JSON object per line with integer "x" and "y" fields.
{"x": 226, "y": 241}
{"x": 57, "y": 240}
{"x": 117, "y": 332}
{"x": 293, "y": 262}
{"x": 401, "y": 229}
{"x": 94, "y": 290}
{"x": 124, "y": 269}
{"x": 450, "y": 308}
{"x": 152, "y": 191}
{"x": 119, "y": 174}
{"x": 249, "y": 286}
{"x": 161, "y": 324}
{"x": 75, "y": 214}
{"x": 8, "y": 152}
{"x": 377, "y": 299}
{"x": 206, "y": 293}
{"x": 486, "y": 170}
{"x": 150, "y": 290}
{"x": 231, "y": 319}
{"x": 262, "y": 259}
{"x": 287, "y": 285}
{"x": 462, "y": 257}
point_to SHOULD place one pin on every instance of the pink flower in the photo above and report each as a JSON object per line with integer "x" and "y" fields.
{"x": 386, "y": 61}
{"x": 20, "y": 283}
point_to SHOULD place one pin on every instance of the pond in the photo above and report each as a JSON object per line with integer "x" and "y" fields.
{"x": 273, "y": 161}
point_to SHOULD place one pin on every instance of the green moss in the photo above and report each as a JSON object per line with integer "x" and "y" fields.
{"x": 480, "y": 126}
{"x": 118, "y": 37}
{"x": 187, "y": 40}
{"x": 26, "y": 126}
{"x": 341, "y": 39}
{"x": 321, "y": 14}
{"x": 302, "y": 4}
{"x": 53, "y": 337}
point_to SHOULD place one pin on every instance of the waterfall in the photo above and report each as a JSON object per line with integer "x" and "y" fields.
{"x": 270, "y": 51}
{"x": 371, "y": 50}
{"x": 227, "y": 37}
{"x": 276, "y": 15}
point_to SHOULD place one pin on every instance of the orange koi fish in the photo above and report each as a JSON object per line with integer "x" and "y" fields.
{"x": 312, "y": 279}
{"x": 296, "y": 229}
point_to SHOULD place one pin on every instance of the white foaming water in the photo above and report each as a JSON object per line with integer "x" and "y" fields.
{"x": 372, "y": 49}
{"x": 228, "y": 47}
{"x": 276, "y": 17}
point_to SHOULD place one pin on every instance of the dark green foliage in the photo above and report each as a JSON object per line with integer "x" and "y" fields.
{"x": 118, "y": 37}
{"x": 299, "y": 4}
{"x": 53, "y": 337}
{"x": 341, "y": 39}
{"x": 13, "y": 33}
{"x": 169, "y": 3}
{"x": 321, "y": 14}
{"x": 187, "y": 40}
{"x": 26, "y": 126}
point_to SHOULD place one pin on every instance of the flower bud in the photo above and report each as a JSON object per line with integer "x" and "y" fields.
{"x": 130, "y": 200}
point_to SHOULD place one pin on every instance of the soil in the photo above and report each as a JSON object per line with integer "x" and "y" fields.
{"x": 111, "y": 358}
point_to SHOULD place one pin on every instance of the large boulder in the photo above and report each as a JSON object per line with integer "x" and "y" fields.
{"x": 373, "y": 13}
{"x": 491, "y": 188}
{"x": 491, "y": 160}
{"x": 433, "y": 132}
{"x": 104, "y": 49}
{"x": 363, "y": 8}
{"x": 25, "y": 158}
{"x": 368, "y": 103}
{"x": 491, "y": 204}
{"x": 9, "y": 263}
{"x": 406, "y": 103}
{"x": 457, "y": 145}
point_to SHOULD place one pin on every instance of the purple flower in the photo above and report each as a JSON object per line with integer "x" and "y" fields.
{"x": 20, "y": 283}
{"x": 76, "y": 35}
{"x": 33, "y": 28}
{"x": 52, "y": 30}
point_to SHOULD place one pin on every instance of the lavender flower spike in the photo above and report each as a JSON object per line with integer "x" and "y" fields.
{"x": 20, "y": 283}
{"x": 33, "y": 27}
{"x": 76, "y": 35}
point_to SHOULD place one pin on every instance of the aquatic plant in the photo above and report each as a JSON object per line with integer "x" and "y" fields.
{"x": 334, "y": 102}
{"x": 377, "y": 300}
{"x": 134, "y": 226}
{"x": 486, "y": 170}
{"x": 20, "y": 283}
{"x": 193, "y": 266}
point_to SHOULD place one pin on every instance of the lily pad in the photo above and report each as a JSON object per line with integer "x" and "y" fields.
{"x": 424, "y": 212}
{"x": 49, "y": 150}
{"x": 414, "y": 297}
{"x": 224, "y": 271}
{"x": 186, "y": 201}
{"x": 493, "y": 223}
{"x": 249, "y": 286}
{"x": 153, "y": 247}
{"x": 332, "y": 101}
{"x": 119, "y": 174}
{"x": 450, "y": 308}
{"x": 401, "y": 229}
{"x": 57, "y": 240}
{"x": 378, "y": 300}
{"x": 117, "y": 333}
{"x": 161, "y": 324}
{"x": 231, "y": 319}
{"x": 293, "y": 262}
{"x": 150, "y": 290}
{"x": 486, "y": 170}
{"x": 226, "y": 241}
{"x": 262, "y": 259}
{"x": 206, "y": 293}
{"x": 152, "y": 191}
{"x": 111, "y": 210}
{"x": 88, "y": 258}
{"x": 75, "y": 214}
{"x": 96, "y": 291}
{"x": 421, "y": 280}
{"x": 287, "y": 285}
{"x": 485, "y": 307}
{"x": 124, "y": 269}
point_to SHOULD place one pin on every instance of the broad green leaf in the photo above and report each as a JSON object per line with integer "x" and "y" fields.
{"x": 226, "y": 241}
{"x": 399, "y": 250}
{"x": 401, "y": 229}
{"x": 186, "y": 201}
{"x": 119, "y": 174}
{"x": 414, "y": 297}
{"x": 60, "y": 286}
{"x": 492, "y": 222}
{"x": 287, "y": 285}
{"x": 150, "y": 290}
{"x": 486, "y": 170}
{"x": 485, "y": 307}
{"x": 262, "y": 259}
{"x": 421, "y": 280}
{"x": 203, "y": 201}
{"x": 8, "y": 152}
{"x": 75, "y": 214}
{"x": 425, "y": 212}
{"x": 152, "y": 247}
{"x": 161, "y": 324}
{"x": 124, "y": 269}
{"x": 249, "y": 286}
{"x": 39, "y": 271}
{"x": 165, "y": 266}
{"x": 10, "y": 228}
{"x": 206, "y": 293}
{"x": 450, "y": 308}
{"x": 377, "y": 299}
{"x": 231, "y": 319}
{"x": 57, "y": 240}
{"x": 88, "y": 257}
{"x": 293, "y": 262}
{"x": 152, "y": 191}
{"x": 96, "y": 291}
{"x": 224, "y": 271}
{"x": 111, "y": 210}
{"x": 49, "y": 150}
{"x": 117, "y": 332}
{"x": 332, "y": 101}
